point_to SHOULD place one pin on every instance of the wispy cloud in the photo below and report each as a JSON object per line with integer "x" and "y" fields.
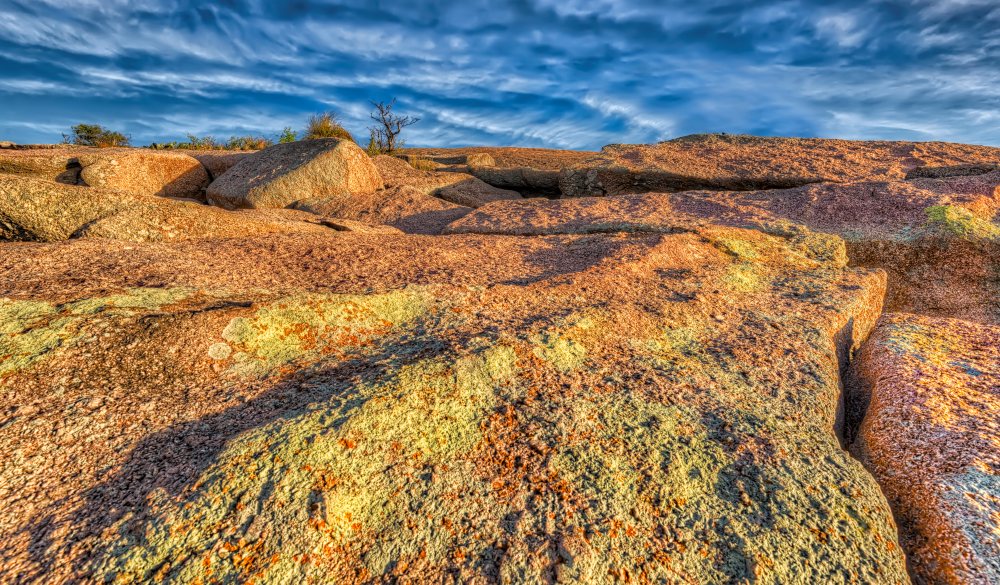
{"x": 561, "y": 73}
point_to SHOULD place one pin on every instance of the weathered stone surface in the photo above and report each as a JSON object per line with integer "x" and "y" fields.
{"x": 363, "y": 408}
{"x": 504, "y": 156}
{"x": 38, "y": 210}
{"x": 935, "y": 237}
{"x": 953, "y": 171}
{"x": 164, "y": 221}
{"x": 450, "y": 159}
{"x": 217, "y": 162}
{"x": 931, "y": 436}
{"x": 283, "y": 173}
{"x": 525, "y": 180}
{"x": 350, "y": 225}
{"x": 454, "y": 187}
{"x": 60, "y": 164}
{"x": 405, "y": 208}
{"x": 41, "y": 210}
{"x": 637, "y": 388}
{"x": 729, "y": 162}
{"x": 144, "y": 172}
{"x": 128, "y": 170}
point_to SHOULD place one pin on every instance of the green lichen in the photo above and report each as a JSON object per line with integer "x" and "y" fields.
{"x": 960, "y": 222}
{"x": 562, "y": 345}
{"x": 744, "y": 278}
{"x": 136, "y": 298}
{"x": 738, "y": 248}
{"x": 318, "y": 484}
{"x": 308, "y": 326}
{"x": 32, "y": 330}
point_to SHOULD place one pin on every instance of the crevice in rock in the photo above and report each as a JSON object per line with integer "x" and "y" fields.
{"x": 855, "y": 397}
{"x": 852, "y": 403}
{"x": 71, "y": 176}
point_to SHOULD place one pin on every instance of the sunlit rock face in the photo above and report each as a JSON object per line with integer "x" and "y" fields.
{"x": 435, "y": 379}
{"x": 932, "y": 439}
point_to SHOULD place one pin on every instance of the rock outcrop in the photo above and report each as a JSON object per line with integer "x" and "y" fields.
{"x": 503, "y": 156}
{"x": 741, "y": 163}
{"x": 935, "y": 237}
{"x": 526, "y": 180}
{"x": 134, "y": 171}
{"x": 371, "y": 407}
{"x": 931, "y": 436}
{"x": 406, "y": 208}
{"x": 144, "y": 172}
{"x": 40, "y": 210}
{"x": 664, "y": 387}
{"x": 284, "y": 173}
{"x": 458, "y": 188}
{"x": 45, "y": 211}
{"x": 532, "y": 172}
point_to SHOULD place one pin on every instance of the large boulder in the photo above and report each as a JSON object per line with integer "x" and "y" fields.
{"x": 144, "y": 172}
{"x": 40, "y": 210}
{"x": 454, "y": 187}
{"x": 45, "y": 211}
{"x": 728, "y": 162}
{"x": 375, "y": 408}
{"x": 283, "y": 173}
{"x": 135, "y": 171}
{"x": 930, "y": 395}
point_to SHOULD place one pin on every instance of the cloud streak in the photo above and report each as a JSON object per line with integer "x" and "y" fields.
{"x": 567, "y": 73}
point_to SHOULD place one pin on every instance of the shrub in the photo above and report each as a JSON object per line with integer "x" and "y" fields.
{"x": 248, "y": 143}
{"x": 287, "y": 135}
{"x": 206, "y": 143}
{"x": 372, "y": 149}
{"x": 326, "y": 125}
{"x": 95, "y": 135}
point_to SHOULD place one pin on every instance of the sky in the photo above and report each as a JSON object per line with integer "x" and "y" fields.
{"x": 574, "y": 74}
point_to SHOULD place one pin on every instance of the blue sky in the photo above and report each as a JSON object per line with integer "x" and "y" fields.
{"x": 555, "y": 73}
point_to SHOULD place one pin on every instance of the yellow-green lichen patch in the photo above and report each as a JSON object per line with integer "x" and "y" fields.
{"x": 135, "y": 298}
{"x": 960, "y": 222}
{"x": 372, "y": 476}
{"x": 806, "y": 244}
{"x": 678, "y": 344}
{"x": 745, "y": 277}
{"x": 739, "y": 248}
{"x": 31, "y": 330}
{"x": 562, "y": 345}
{"x": 28, "y": 330}
{"x": 314, "y": 324}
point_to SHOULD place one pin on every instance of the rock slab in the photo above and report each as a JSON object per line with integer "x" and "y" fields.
{"x": 283, "y": 173}
{"x": 931, "y": 437}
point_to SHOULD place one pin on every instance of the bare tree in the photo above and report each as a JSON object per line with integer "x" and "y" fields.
{"x": 385, "y": 134}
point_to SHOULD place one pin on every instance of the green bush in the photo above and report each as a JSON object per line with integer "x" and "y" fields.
{"x": 326, "y": 125}
{"x": 248, "y": 143}
{"x": 287, "y": 135}
{"x": 95, "y": 135}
